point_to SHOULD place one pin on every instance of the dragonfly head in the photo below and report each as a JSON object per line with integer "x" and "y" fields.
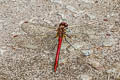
{"x": 63, "y": 25}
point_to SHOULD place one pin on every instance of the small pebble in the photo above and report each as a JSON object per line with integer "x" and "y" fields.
{"x": 85, "y": 77}
{"x": 87, "y": 52}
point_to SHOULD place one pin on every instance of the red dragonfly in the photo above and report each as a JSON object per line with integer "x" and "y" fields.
{"x": 61, "y": 33}
{"x": 33, "y": 29}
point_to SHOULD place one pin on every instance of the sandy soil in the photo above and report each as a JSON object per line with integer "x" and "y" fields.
{"x": 27, "y": 47}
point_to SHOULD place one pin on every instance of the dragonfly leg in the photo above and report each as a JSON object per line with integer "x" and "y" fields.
{"x": 68, "y": 36}
{"x": 69, "y": 43}
{"x": 55, "y": 36}
{"x": 67, "y": 48}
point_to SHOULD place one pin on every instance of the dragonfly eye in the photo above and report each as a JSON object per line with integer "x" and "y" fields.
{"x": 63, "y": 24}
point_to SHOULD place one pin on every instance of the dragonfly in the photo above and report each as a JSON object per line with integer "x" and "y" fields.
{"x": 39, "y": 31}
{"x": 61, "y": 33}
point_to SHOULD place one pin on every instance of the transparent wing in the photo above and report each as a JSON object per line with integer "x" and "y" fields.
{"x": 80, "y": 36}
{"x": 76, "y": 31}
{"x": 38, "y": 36}
{"x": 34, "y": 29}
{"x": 87, "y": 37}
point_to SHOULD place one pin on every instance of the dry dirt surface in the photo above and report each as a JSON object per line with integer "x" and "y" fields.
{"x": 28, "y": 47}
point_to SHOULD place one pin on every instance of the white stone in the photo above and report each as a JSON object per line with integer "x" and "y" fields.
{"x": 71, "y": 8}
{"x": 1, "y": 27}
{"x": 108, "y": 42}
{"x": 87, "y": 52}
{"x": 2, "y": 51}
{"x": 57, "y": 1}
{"x": 88, "y": 1}
{"x": 113, "y": 70}
{"x": 95, "y": 64}
{"x": 79, "y": 13}
{"x": 85, "y": 77}
{"x": 91, "y": 16}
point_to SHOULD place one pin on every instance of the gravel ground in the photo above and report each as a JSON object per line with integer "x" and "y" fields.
{"x": 27, "y": 47}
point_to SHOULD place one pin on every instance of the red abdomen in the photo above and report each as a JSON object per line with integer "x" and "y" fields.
{"x": 57, "y": 53}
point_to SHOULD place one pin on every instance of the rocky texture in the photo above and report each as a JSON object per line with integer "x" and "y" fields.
{"x": 27, "y": 46}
